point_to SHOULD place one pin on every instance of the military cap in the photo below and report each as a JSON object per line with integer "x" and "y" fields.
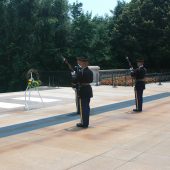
{"x": 140, "y": 60}
{"x": 82, "y": 58}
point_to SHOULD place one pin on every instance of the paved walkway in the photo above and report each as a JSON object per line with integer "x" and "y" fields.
{"x": 46, "y": 137}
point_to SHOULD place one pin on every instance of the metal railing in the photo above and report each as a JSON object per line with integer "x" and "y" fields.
{"x": 113, "y": 75}
{"x": 159, "y": 77}
{"x": 56, "y": 78}
{"x": 122, "y": 77}
{"x": 118, "y": 77}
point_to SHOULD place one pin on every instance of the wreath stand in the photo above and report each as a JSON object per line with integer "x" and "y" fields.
{"x": 30, "y": 89}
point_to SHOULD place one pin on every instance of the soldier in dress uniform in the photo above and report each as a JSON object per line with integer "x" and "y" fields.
{"x": 139, "y": 76}
{"x": 82, "y": 79}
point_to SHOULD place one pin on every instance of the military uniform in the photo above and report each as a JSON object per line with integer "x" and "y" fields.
{"x": 139, "y": 76}
{"x": 83, "y": 78}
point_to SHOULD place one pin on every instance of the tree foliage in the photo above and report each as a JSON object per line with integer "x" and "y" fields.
{"x": 141, "y": 29}
{"x": 36, "y": 33}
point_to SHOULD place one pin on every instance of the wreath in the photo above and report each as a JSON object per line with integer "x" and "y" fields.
{"x": 33, "y": 78}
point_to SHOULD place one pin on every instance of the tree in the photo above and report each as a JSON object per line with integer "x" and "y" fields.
{"x": 3, "y": 37}
{"x": 36, "y": 33}
{"x": 52, "y": 30}
{"x": 82, "y": 31}
{"x": 140, "y": 29}
{"x": 21, "y": 20}
{"x": 100, "y": 50}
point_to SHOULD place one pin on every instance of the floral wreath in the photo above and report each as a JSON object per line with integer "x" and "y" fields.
{"x": 33, "y": 78}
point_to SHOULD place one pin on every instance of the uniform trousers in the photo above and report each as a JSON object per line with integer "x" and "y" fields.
{"x": 77, "y": 102}
{"x": 84, "y": 111}
{"x": 139, "y": 99}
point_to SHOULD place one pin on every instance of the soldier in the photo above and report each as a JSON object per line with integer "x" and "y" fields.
{"x": 139, "y": 76}
{"x": 83, "y": 78}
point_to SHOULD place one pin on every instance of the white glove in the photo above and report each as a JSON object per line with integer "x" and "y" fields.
{"x": 131, "y": 69}
{"x": 73, "y": 73}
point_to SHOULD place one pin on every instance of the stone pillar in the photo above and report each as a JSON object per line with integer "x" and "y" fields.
{"x": 95, "y": 70}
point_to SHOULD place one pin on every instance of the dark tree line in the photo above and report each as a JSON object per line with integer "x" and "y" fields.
{"x": 36, "y": 33}
{"x": 142, "y": 28}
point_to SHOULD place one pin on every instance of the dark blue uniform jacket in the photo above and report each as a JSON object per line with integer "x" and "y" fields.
{"x": 139, "y": 76}
{"x": 83, "y": 78}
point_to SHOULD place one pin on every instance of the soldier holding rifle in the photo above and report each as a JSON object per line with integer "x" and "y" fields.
{"x": 139, "y": 76}
{"x": 82, "y": 77}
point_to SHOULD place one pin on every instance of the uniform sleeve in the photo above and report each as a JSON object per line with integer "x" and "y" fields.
{"x": 133, "y": 72}
{"x": 91, "y": 77}
{"x": 85, "y": 76}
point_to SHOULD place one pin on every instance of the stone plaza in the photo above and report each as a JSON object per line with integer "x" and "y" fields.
{"x": 46, "y": 137}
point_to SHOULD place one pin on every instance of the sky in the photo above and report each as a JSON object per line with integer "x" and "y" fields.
{"x": 98, "y": 7}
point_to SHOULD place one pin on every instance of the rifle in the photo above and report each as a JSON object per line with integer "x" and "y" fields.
{"x": 130, "y": 65}
{"x": 76, "y": 68}
{"x": 68, "y": 64}
{"x": 75, "y": 83}
{"x": 131, "y": 68}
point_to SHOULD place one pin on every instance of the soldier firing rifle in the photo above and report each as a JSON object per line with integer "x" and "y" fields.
{"x": 139, "y": 76}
